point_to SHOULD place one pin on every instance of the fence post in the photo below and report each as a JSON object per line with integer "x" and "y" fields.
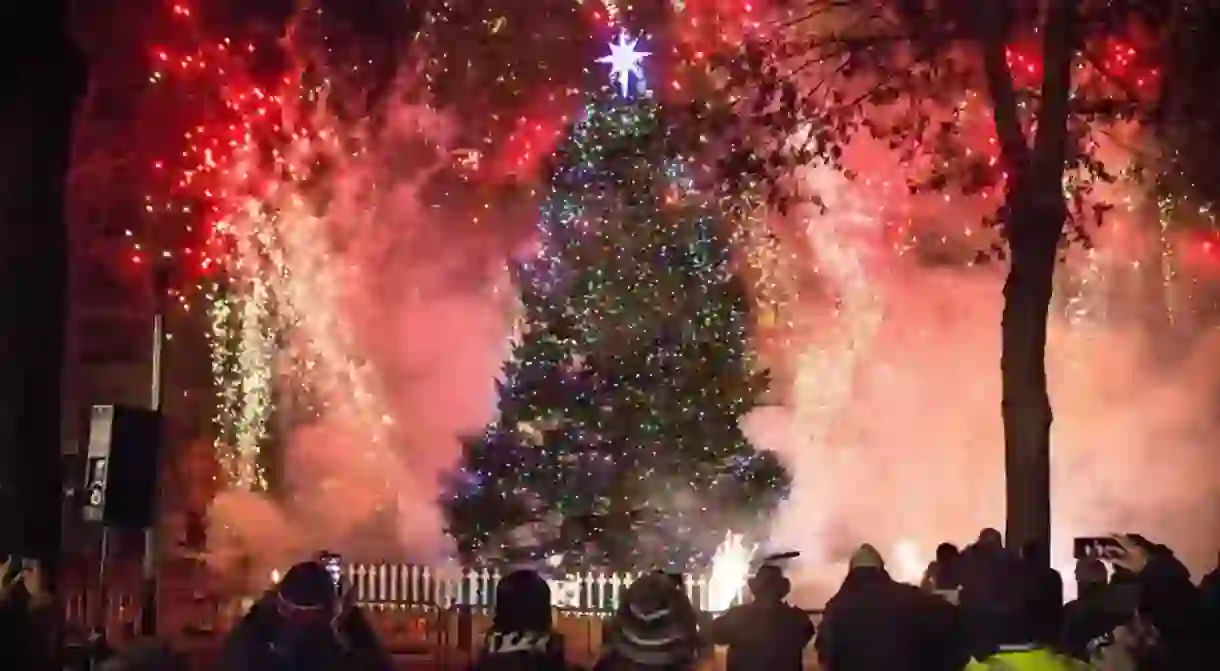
{"x": 465, "y": 633}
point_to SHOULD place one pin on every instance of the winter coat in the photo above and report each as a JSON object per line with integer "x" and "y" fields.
{"x": 521, "y": 651}
{"x": 767, "y": 635}
{"x": 1209, "y": 590}
{"x": 1027, "y": 658}
{"x": 998, "y": 601}
{"x": 876, "y": 624}
{"x": 1098, "y": 611}
{"x": 264, "y": 641}
{"x": 1048, "y": 604}
{"x": 1152, "y": 621}
{"x": 1173, "y": 609}
{"x": 145, "y": 656}
{"x": 612, "y": 661}
{"x": 942, "y": 579}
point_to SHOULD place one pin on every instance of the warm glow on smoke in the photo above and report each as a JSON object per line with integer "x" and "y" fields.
{"x": 907, "y": 564}
{"x": 891, "y": 412}
{"x": 388, "y": 308}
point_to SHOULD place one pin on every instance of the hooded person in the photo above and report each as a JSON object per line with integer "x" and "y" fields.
{"x": 304, "y": 624}
{"x": 765, "y": 633}
{"x": 521, "y": 636}
{"x": 874, "y": 622}
{"x": 655, "y": 628}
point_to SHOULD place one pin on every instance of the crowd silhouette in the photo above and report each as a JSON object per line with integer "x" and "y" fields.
{"x": 983, "y": 608}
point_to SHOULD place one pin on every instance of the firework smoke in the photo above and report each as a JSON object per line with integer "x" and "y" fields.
{"x": 892, "y": 414}
{"x": 397, "y": 313}
{"x": 392, "y": 308}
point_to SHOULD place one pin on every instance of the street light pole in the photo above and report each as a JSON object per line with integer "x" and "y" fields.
{"x": 149, "y": 586}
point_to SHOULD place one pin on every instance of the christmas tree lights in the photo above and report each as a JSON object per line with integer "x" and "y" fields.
{"x": 618, "y": 441}
{"x": 528, "y": 66}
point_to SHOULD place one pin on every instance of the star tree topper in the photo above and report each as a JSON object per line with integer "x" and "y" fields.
{"x": 625, "y": 61}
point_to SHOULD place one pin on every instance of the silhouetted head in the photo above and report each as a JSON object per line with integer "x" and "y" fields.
{"x": 306, "y": 595}
{"x": 523, "y": 603}
{"x": 866, "y": 556}
{"x": 1005, "y": 599}
{"x": 946, "y": 553}
{"x": 1032, "y": 550}
{"x": 770, "y": 584}
{"x": 655, "y": 625}
{"x": 991, "y": 539}
{"x": 1122, "y": 575}
{"x": 1091, "y": 572}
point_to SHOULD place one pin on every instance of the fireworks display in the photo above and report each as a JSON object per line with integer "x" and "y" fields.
{"x": 869, "y": 306}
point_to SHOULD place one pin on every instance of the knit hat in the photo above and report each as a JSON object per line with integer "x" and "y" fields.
{"x": 866, "y": 556}
{"x": 523, "y": 603}
{"x": 306, "y": 588}
{"x": 655, "y": 624}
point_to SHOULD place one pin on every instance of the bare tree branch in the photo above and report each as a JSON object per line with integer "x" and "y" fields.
{"x": 1051, "y": 141}
{"x": 1014, "y": 148}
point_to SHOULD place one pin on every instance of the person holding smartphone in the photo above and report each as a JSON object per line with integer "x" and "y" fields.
{"x": 1169, "y": 629}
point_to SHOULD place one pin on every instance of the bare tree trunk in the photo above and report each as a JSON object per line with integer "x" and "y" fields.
{"x": 1026, "y": 403}
{"x": 1036, "y": 214}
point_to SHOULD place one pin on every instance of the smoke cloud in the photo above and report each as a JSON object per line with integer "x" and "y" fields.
{"x": 891, "y": 388}
{"x": 402, "y": 292}
{"x": 887, "y": 380}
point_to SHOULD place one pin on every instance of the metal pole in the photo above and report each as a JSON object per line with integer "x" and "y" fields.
{"x": 101, "y": 608}
{"x": 148, "y": 609}
{"x": 158, "y": 337}
{"x": 97, "y": 646}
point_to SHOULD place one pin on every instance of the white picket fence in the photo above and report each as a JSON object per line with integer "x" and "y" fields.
{"x": 406, "y": 586}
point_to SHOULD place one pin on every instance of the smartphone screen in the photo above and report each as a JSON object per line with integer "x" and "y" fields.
{"x": 1102, "y": 547}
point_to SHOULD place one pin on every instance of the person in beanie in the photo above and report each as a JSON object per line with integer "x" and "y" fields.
{"x": 521, "y": 637}
{"x": 304, "y": 624}
{"x": 654, "y": 629}
{"x": 876, "y": 623}
{"x": 766, "y": 633}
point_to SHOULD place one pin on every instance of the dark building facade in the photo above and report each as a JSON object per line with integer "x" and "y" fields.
{"x": 44, "y": 74}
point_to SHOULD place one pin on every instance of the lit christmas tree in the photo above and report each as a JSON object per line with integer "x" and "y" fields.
{"x": 618, "y": 442}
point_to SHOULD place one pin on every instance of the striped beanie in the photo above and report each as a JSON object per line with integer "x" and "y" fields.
{"x": 655, "y": 625}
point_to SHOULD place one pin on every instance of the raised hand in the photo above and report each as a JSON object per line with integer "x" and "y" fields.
{"x": 32, "y": 577}
{"x": 1133, "y": 557}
